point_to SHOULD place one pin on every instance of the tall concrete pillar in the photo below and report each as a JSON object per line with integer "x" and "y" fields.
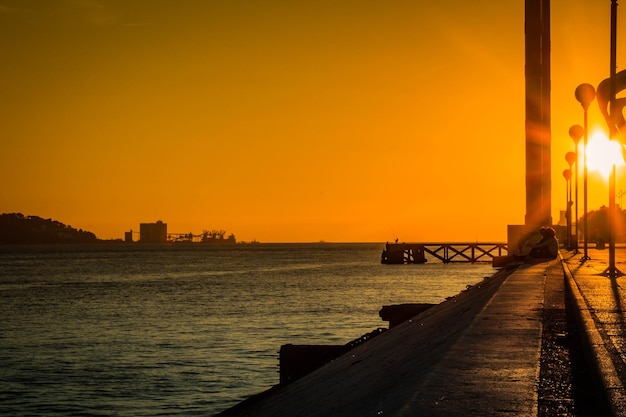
{"x": 538, "y": 136}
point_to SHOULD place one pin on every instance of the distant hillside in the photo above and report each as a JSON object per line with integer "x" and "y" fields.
{"x": 17, "y": 228}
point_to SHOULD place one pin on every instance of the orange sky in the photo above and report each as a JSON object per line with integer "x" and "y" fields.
{"x": 285, "y": 121}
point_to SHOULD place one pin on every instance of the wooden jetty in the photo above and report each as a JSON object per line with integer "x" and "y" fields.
{"x": 415, "y": 253}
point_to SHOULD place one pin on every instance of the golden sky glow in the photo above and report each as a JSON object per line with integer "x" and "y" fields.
{"x": 286, "y": 121}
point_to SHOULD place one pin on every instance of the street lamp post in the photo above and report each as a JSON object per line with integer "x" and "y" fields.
{"x": 585, "y": 93}
{"x": 570, "y": 158}
{"x": 612, "y": 270}
{"x": 576, "y": 133}
{"x": 567, "y": 174}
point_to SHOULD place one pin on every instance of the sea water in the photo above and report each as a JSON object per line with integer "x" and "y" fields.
{"x": 188, "y": 329}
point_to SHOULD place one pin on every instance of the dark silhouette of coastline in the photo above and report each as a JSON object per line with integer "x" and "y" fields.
{"x": 16, "y": 228}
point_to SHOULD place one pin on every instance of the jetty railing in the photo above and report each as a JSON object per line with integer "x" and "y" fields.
{"x": 415, "y": 253}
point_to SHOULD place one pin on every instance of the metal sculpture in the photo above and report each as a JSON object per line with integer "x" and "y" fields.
{"x": 613, "y": 114}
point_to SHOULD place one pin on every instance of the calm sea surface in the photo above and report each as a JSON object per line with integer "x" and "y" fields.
{"x": 185, "y": 329}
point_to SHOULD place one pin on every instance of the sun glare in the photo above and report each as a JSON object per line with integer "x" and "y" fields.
{"x": 602, "y": 153}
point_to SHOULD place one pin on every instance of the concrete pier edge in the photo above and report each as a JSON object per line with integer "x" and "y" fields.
{"x": 510, "y": 306}
{"x": 594, "y": 348}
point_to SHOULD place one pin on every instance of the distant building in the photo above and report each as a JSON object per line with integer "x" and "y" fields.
{"x": 153, "y": 232}
{"x": 128, "y": 236}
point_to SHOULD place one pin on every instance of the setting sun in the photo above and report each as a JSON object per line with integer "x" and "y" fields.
{"x": 603, "y": 153}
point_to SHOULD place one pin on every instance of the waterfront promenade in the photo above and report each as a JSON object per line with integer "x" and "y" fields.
{"x": 542, "y": 339}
